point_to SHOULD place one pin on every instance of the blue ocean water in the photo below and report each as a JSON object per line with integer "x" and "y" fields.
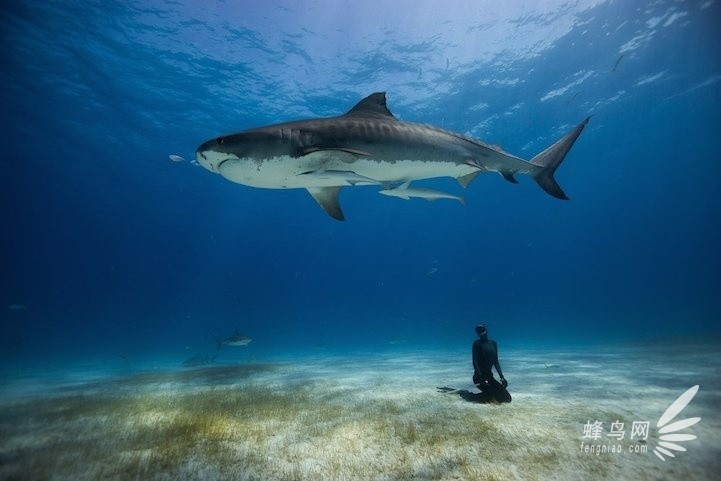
{"x": 110, "y": 249}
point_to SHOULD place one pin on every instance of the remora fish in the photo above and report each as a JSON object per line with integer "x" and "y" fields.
{"x": 405, "y": 191}
{"x": 368, "y": 142}
{"x": 235, "y": 340}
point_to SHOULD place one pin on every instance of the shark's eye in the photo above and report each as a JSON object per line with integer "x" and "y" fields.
{"x": 221, "y": 140}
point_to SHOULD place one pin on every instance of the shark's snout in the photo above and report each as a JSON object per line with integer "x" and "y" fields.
{"x": 202, "y": 159}
{"x": 208, "y": 157}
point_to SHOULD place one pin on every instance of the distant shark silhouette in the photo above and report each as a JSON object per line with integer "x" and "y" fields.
{"x": 237, "y": 339}
{"x": 367, "y": 146}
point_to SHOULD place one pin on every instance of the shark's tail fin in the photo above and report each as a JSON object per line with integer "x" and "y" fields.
{"x": 551, "y": 158}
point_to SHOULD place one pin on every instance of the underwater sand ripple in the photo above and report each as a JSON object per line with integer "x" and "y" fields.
{"x": 338, "y": 418}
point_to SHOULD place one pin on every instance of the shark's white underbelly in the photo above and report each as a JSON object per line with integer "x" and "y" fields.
{"x": 309, "y": 171}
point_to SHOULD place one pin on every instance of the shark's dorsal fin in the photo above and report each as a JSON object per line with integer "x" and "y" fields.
{"x": 372, "y": 106}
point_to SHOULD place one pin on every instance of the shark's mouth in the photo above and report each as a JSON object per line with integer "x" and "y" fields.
{"x": 217, "y": 167}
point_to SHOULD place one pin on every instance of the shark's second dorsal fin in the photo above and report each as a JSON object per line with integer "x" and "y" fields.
{"x": 372, "y": 106}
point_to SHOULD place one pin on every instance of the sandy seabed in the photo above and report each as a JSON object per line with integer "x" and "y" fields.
{"x": 371, "y": 416}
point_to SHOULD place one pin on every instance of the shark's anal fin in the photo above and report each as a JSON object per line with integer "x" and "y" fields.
{"x": 509, "y": 177}
{"x": 327, "y": 198}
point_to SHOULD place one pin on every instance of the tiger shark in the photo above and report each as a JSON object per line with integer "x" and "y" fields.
{"x": 368, "y": 146}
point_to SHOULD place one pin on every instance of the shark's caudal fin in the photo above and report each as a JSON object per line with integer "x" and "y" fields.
{"x": 551, "y": 158}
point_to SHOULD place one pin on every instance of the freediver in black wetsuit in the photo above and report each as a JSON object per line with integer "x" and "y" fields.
{"x": 485, "y": 357}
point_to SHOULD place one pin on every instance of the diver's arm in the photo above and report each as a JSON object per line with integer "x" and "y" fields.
{"x": 476, "y": 365}
{"x": 498, "y": 368}
{"x": 498, "y": 364}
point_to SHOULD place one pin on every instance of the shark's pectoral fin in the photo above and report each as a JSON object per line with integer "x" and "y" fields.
{"x": 509, "y": 177}
{"x": 465, "y": 180}
{"x": 327, "y": 198}
{"x": 359, "y": 153}
{"x": 347, "y": 176}
{"x": 346, "y": 155}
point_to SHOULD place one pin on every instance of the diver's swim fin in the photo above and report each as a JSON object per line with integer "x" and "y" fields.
{"x": 446, "y": 389}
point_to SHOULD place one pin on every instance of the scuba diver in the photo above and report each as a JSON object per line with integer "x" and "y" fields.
{"x": 485, "y": 357}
